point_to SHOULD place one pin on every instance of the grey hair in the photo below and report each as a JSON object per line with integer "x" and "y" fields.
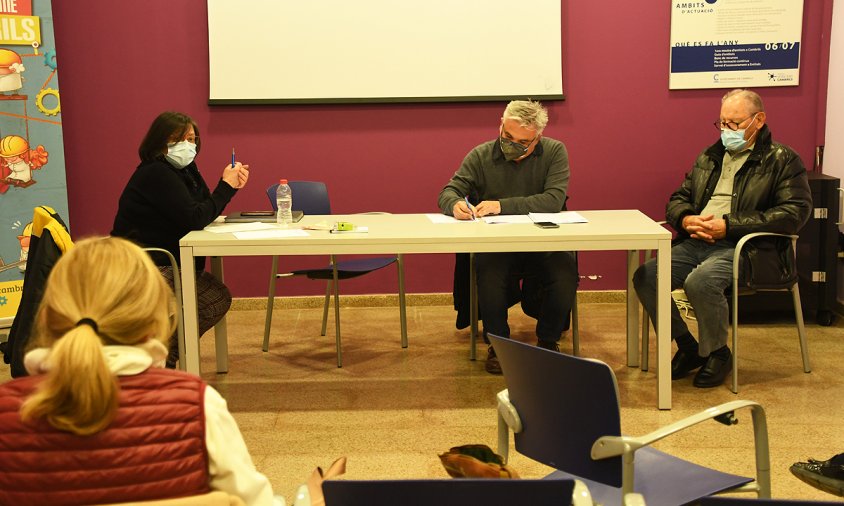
{"x": 750, "y": 97}
{"x": 528, "y": 113}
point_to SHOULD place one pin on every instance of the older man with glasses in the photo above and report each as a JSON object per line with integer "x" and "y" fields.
{"x": 742, "y": 184}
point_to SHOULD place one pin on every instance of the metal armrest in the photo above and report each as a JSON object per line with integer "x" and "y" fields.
{"x": 625, "y": 446}
{"x": 614, "y": 446}
{"x": 748, "y": 237}
{"x": 508, "y": 418}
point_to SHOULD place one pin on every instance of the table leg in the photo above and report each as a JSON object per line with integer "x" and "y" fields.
{"x": 632, "y": 311}
{"x": 473, "y": 307}
{"x": 221, "y": 340}
{"x": 190, "y": 318}
{"x": 663, "y": 325}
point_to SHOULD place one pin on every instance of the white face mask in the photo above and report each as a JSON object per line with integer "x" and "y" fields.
{"x": 180, "y": 154}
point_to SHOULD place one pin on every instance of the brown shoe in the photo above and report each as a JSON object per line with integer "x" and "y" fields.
{"x": 492, "y": 366}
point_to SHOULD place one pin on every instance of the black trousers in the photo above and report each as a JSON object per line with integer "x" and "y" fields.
{"x": 556, "y": 273}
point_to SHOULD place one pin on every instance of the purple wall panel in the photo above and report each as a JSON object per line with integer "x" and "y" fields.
{"x": 630, "y": 139}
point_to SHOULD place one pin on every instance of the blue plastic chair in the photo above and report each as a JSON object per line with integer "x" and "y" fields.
{"x": 311, "y": 197}
{"x": 565, "y": 413}
{"x": 467, "y": 492}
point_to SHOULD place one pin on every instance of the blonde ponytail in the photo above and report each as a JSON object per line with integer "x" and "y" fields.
{"x": 82, "y": 403}
{"x": 104, "y": 291}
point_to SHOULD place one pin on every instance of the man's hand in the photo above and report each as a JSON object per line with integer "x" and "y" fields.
{"x": 705, "y": 228}
{"x": 488, "y": 207}
{"x": 461, "y": 210}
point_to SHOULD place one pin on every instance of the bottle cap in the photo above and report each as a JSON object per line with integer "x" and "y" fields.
{"x": 282, "y": 181}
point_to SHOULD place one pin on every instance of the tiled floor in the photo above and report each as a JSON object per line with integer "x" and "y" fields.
{"x": 392, "y": 410}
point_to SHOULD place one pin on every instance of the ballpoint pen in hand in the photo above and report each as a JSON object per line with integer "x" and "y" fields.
{"x": 471, "y": 208}
{"x": 232, "y": 157}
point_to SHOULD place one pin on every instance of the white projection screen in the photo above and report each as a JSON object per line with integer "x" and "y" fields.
{"x": 348, "y": 51}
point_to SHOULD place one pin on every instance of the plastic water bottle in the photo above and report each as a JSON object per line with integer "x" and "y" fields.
{"x": 284, "y": 203}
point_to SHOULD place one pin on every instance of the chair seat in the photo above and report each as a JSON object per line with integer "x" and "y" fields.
{"x": 347, "y": 269}
{"x": 664, "y": 480}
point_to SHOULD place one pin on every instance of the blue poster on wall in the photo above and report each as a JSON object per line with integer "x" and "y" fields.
{"x": 32, "y": 165}
{"x": 735, "y": 43}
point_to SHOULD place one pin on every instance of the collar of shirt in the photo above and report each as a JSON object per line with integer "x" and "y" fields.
{"x": 121, "y": 360}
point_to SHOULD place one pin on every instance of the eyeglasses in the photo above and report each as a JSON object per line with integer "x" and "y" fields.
{"x": 193, "y": 139}
{"x": 731, "y": 125}
{"x": 524, "y": 144}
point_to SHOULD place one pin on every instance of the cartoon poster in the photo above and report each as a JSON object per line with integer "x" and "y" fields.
{"x": 32, "y": 166}
{"x": 735, "y": 43}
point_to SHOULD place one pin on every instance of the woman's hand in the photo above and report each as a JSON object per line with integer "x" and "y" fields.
{"x": 236, "y": 176}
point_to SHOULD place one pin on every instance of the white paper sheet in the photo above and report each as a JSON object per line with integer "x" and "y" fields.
{"x": 507, "y": 218}
{"x": 274, "y": 233}
{"x": 559, "y": 218}
{"x": 227, "y": 228}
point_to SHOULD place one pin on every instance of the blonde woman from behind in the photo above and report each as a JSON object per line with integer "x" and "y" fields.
{"x": 99, "y": 420}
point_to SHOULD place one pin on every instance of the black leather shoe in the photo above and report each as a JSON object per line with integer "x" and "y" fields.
{"x": 492, "y": 366}
{"x": 685, "y": 362}
{"x": 826, "y": 475}
{"x": 714, "y": 372}
{"x": 549, "y": 345}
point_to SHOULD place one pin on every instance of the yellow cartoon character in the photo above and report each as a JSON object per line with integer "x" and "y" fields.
{"x": 17, "y": 161}
{"x": 24, "y": 238}
{"x": 11, "y": 67}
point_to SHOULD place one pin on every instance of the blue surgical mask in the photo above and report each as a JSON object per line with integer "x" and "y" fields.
{"x": 734, "y": 140}
{"x": 180, "y": 154}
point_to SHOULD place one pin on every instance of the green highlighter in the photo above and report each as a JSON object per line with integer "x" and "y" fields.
{"x": 344, "y": 226}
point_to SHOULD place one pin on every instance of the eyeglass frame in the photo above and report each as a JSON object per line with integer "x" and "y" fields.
{"x": 719, "y": 125}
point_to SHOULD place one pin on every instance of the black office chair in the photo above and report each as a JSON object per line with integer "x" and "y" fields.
{"x": 311, "y": 197}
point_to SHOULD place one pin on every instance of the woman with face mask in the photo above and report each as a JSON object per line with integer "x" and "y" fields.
{"x": 167, "y": 197}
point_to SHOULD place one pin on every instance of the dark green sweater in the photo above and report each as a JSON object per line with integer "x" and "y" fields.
{"x": 536, "y": 184}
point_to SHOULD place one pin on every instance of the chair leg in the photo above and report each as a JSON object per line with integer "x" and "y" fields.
{"x": 473, "y": 307}
{"x": 337, "y": 311}
{"x": 735, "y": 334}
{"x": 575, "y": 330}
{"x": 402, "y": 304}
{"x": 325, "y": 307}
{"x": 801, "y": 329}
{"x": 646, "y": 339}
{"x": 270, "y": 300}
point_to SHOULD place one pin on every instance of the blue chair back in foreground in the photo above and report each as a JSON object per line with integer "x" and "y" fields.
{"x": 565, "y": 413}
{"x": 466, "y": 492}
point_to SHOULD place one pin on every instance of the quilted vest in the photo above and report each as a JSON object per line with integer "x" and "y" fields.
{"x": 154, "y": 448}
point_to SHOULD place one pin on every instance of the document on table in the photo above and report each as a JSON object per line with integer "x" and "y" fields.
{"x": 228, "y": 228}
{"x": 443, "y": 218}
{"x": 271, "y": 233}
{"x": 559, "y": 218}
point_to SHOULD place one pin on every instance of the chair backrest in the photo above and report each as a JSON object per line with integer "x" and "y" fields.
{"x": 565, "y": 404}
{"x": 481, "y": 492}
{"x": 310, "y": 197}
{"x": 736, "y": 501}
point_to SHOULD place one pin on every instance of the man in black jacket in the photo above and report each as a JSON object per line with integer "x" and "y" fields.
{"x": 743, "y": 183}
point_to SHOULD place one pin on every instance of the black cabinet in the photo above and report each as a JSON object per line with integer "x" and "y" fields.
{"x": 817, "y": 252}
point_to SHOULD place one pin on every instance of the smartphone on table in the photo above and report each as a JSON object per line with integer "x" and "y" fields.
{"x": 546, "y": 224}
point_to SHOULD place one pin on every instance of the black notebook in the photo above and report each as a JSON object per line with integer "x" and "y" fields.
{"x": 262, "y": 216}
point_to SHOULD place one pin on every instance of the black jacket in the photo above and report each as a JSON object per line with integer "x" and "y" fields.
{"x": 49, "y": 240}
{"x": 161, "y": 204}
{"x": 770, "y": 194}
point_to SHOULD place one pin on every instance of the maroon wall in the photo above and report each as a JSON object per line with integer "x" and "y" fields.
{"x": 630, "y": 139}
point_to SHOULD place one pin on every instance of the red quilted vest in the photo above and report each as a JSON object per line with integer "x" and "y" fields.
{"x": 154, "y": 449}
